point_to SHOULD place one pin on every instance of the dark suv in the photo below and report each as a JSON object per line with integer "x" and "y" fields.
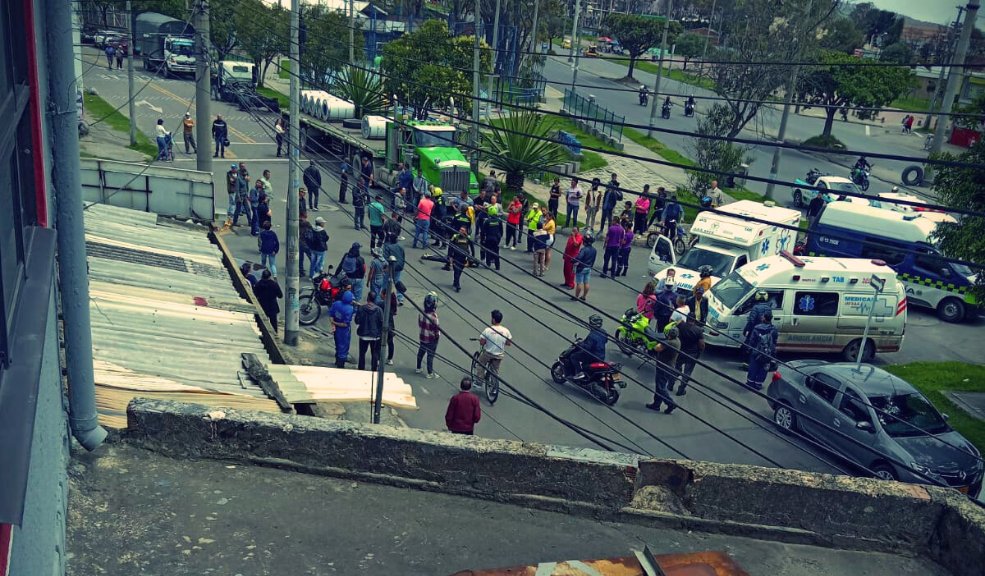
{"x": 875, "y": 420}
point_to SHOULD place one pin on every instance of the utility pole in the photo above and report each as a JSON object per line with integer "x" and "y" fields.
{"x": 660, "y": 69}
{"x": 475, "y": 87}
{"x": 387, "y": 325}
{"x": 943, "y": 56}
{"x": 787, "y": 102}
{"x": 704, "y": 51}
{"x": 131, "y": 106}
{"x": 573, "y": 56}
{"x": 955, "y": 79}
{"x": 495, "y": 59}
{"x": 203, "y": 88}
{"x": 352, "y": 31}
{"x": 291, "y": 321}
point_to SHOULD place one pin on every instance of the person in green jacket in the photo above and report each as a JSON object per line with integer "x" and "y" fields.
{"x": 531, "y": 219}
{"x": 376, "y": 212}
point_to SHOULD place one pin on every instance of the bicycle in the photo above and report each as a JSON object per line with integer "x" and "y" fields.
{"x": 682, "y": 239}
{"x": 491, "y": 382}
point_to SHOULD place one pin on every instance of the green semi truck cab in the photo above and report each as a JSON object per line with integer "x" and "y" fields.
{"x": 430, "y": 148}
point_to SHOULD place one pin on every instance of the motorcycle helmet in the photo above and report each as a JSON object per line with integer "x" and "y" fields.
{"x": 762, "y": 296}
{"x": 704, "y": 271}
{"x": 589, "y": 239}
{"x": 430, "y": 302}
{"x": 595, "y": 321}
{"x": 895, "y": 189}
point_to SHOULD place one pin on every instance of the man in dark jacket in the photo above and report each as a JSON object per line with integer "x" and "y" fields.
{"x": 343, "y": 182}
{"x": 667, "y": 349}
{"x": 762, "y": 351}
{"x": 692, "y": 337}
{"x": 463, "y": 411}
{"x": 759, "y": 309}
{"x": 584, "y": 262}
{"x": 814, "y": 208}
{"x": 220, "y": 133}
{"x": 492, "y": 233}
{"x": 393, "y": 252}
{"x": 666, "y": 303}
{"x": 611, "y": 197}
{"x": 268, "y": 292}
{"x": 369, "y": 319}
{"x": 354, "y": 266}
{"x": 269, "y": 246}
{"x": 305, "y": 232}
{"x": 459, "y": 247}
{"x": 312, "y": 181}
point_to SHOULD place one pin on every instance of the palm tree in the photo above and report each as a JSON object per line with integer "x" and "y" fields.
{"x": 521, "y": 142}
{"x": 363, "y": 88}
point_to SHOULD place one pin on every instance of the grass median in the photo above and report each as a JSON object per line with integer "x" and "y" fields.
{"x": 103, "y": 112}
{"x": 282, "y": 100}
{"x": 936, "y": 378}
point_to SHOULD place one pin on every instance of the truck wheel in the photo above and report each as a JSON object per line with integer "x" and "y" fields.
{"x": 951, "y": 310}
{"x": 850, "y": 353}
{"x": 798, "y": 198}
{"x": 913, "y": 176}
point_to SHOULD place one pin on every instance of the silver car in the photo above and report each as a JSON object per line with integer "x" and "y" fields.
{"x": 875, "y": 420}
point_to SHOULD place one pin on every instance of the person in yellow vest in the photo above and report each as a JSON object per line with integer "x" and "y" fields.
{"x": 531, "y": 219}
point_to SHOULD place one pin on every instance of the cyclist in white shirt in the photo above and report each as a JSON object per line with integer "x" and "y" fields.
{"x": 494, "y": 341}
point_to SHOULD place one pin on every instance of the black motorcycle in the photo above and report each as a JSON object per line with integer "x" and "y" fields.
{"x": 688, "y": 110}
{"x": 812, "y": 175}
{"x": 325, "y": 290}
{"x": 665, "y": 112}
{"x": 600, "y": 379}
{"x": 644, "y": 99}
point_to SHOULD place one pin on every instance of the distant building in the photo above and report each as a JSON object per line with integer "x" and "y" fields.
{"x": 916, "y": 32}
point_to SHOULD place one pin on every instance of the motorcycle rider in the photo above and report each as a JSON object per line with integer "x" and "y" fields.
{"x": 689, "y": 106}
{"x": 666, "y": 107}
{"x": 705, "y": 282}
{"x": 644, "y": 95}
{"x": 592, "y": 348}
{"x": 862, "y": 164}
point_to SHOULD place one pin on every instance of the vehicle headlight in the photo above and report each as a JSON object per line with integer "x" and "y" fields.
{"x": 924, "y": 470}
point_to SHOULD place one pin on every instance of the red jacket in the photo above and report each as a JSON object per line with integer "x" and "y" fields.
{"x": 463, "y": 412}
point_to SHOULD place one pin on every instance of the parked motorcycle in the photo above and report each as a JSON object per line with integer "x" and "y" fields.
{"x": 600, "y": 379}
{"x": 325, "y": 289}
{"x": 860, "y": 176}
{"x": 634, "y": 333}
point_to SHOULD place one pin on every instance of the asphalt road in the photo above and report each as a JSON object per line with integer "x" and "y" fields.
{"x": 600, "y": 75}
{"x": 719, "y": 421}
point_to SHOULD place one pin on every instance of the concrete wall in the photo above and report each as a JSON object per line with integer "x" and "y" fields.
{"x": 750, "y": 501}
{"x": 38, "y": 545}
{"x": 160, "y": 189}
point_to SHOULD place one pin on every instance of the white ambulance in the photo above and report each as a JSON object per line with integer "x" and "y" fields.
{"x": 819, "y": 304}
{"x": 726, "y": 241}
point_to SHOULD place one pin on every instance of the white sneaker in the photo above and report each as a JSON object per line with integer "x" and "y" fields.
{"x": 512, "y": 247}
{"x": 417, "y": 370}
{"x": 432, "y": 375}
{"x": 389, "y": 362}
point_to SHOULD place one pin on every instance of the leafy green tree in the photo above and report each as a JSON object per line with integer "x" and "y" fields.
{"x": 262, "y": 31}
{"x": 222, "y": 26}
{"x": 839, "y": 82}
{"x": 427, "y": 67}
{"x": 875, "y": 22}
{"x": 363, "y": 88}
{"x": 898, "y": 53}
{"x": 521, "y": 143}
{"x": 326, "y": 47}
{"x": 958, "y": 186}
{"x": 841, "y": 35}
{"x": 689, "y": 46}
{"x": 637, "y": 34}
{"x": 719, "y": 155}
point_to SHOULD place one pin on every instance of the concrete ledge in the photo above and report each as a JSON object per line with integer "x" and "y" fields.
{"x": 766, "y": 503}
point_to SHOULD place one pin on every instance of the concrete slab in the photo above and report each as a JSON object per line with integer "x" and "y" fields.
{"x": 134, "y": 511}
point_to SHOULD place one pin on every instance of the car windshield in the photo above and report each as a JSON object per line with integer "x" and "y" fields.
{"x": 696, "y": 258}
{"x": 845, "y": 187}
{"x": 183, "y": 48}
{"x": 908, "y": 415}
{"x": 962, "y": 270}
{"x": 426, "y": 138}
{"x": 731, "y": 290}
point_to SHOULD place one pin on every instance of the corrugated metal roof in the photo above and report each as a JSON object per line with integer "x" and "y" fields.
{"x": 166, "y": 318}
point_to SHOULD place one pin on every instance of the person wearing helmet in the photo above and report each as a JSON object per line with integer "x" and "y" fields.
{"x": 762, "y": 351}
{"x": 666, "y": 304}
{"x": 492, "y": 234}
{"x": 592, "y": 348}
{"x": 429, "y": 335}
{"x": 759, "y": 309}
{"x": 705, "y": 282}
{"x": 667, "y": 349}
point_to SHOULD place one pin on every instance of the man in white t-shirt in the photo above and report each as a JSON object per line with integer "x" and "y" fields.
{"x": 494, "y": 341}
{"x": 682, "y": 310}
{"x": 716, "y": 194}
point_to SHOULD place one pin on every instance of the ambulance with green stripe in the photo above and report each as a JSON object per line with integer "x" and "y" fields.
{"x": 903, "y": 240}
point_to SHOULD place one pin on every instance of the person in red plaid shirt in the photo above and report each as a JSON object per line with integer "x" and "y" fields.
{"x": 428, "y": 339}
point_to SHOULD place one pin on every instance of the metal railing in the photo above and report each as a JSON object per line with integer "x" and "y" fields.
{"x": 595, "y": 117}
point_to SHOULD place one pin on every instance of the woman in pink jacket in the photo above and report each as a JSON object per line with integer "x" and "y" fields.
{"x": 642, "y": 211}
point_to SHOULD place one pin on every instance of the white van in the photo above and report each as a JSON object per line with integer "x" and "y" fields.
{"x": 819, "y": 304}
{"x": 727, "y": 240}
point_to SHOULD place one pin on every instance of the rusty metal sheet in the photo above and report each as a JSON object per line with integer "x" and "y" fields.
{"x": 690, "y": 564}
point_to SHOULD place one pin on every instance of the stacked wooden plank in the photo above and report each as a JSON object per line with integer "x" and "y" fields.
{"x": 310, "y": 384}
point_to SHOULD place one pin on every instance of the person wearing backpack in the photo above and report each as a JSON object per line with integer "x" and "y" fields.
{"x": 317, "y": 242}
{"x": 355, "y": 268}
{"x": 763, "y": 351}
